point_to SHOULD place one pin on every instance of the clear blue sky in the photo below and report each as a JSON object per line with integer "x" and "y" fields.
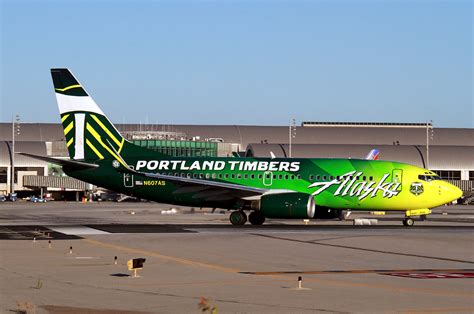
{"x": 243, "y": 62}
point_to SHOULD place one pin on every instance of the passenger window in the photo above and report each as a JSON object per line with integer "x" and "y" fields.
{"x": 286, "y": 177}
{"x": 239, "y": 176}
{"x": 232, "y": 176}
{"x": 331, "y": 178}
{"x": 364, "y": 177}
{"x": 371, "y": 178}
{"x": 280, "y": 176}
{"x": 298, "y": 177}
{"x": 274, "y": 176}
{"x": 318, "y": 178}
{"x": 227, "y": 176}
{"x": 324, "y": 178}
{"x": 246, "y": 176}
{"x": 260, "y": 176}
{"x": 311, "y": 177}
{"x": 208, "y": 175}
{"x": 201, "y": 176}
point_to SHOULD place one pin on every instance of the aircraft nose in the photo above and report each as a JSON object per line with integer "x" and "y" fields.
{"x": 452, "y": 192}
{"x": 457, "y": 192}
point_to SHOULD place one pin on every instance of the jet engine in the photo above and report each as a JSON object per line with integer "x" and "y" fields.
{"x": 286, "y": 205}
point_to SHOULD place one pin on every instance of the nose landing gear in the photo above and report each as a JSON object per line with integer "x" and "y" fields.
{"x": 408, "y": 222}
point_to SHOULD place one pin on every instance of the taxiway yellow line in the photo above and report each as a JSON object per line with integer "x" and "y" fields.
{"x": 287, "y": 277}
{"x": 164, "y": 257}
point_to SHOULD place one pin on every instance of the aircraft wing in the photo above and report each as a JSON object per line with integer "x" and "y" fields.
{"x": 200, "y": 184}
{"x": 204, "y": 188}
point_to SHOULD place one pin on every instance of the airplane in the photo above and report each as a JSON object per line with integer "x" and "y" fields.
{"x": 282, "y": 188}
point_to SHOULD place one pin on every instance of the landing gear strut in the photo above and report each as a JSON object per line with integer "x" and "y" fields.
{"x": 408, "y": 222}
{"x": 256, "y": 218}
{"x": 238, "y": 218}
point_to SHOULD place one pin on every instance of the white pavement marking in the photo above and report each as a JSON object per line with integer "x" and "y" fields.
{"x": 76, "y": 230}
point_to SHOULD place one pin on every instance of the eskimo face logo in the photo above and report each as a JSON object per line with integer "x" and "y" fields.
{"x": 417, "y": 188}
{"x": 115, "y": 164}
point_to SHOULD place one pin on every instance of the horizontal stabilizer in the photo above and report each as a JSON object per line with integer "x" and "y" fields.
{"x": 70, "y": 164}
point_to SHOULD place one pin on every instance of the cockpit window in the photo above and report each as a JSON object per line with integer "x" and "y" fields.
{"x": 428, "y": 177}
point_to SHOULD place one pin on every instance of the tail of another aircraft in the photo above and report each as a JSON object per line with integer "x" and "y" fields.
{"x": 89, "y": 134}
{"x": 373, "y": 155}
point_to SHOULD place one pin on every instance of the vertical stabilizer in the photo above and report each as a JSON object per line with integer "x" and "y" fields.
{"x": 87, "y": 130}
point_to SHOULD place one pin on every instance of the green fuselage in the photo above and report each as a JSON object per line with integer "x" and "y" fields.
{"x": 334, "y": 183}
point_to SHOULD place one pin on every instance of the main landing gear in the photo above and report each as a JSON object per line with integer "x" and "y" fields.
{"x": 256, "y": 218}
{"x": 239, "y": 218}
{"x": 408, "y": 222}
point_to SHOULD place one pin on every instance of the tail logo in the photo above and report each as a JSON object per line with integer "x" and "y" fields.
{"x": 90, "y": 134}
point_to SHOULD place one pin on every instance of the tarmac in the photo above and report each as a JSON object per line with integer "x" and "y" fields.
{"x": 58, "y": 257}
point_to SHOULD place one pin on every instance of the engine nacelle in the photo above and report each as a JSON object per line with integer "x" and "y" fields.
{"x": 287, "y": 205}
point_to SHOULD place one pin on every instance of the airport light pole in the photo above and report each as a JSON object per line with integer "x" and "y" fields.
{"x": 15, "y": 131}
{"x": 429, "y": 136}
{"x": 291, "y": 133}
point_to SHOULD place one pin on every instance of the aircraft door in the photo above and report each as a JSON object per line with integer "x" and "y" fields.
{"x": 397, "y": 177}
{"x": 267, "y": 178}
{"x": 128, "y": 180}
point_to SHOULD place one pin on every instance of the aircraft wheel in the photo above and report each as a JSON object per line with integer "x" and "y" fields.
{"x": 408, "y": 222}
{"x": 256, "y": 218}
{"x": 238, "y": 218}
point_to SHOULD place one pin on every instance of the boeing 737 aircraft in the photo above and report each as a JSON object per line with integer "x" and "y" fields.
{"x": 265, "y": 187}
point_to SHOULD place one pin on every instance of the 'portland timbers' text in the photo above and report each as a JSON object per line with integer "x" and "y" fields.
{"x": 217, "y": 165}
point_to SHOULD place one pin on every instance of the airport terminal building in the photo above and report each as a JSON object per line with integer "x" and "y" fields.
{"x": 450, "y": 150}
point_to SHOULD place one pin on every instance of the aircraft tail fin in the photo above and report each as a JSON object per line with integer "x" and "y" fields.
{"x": 373, "y": 155}
{"x": 86, "y": 128}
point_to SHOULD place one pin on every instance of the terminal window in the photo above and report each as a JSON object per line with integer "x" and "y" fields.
{"x": 471, "y": 175}
{"x": 449, "y": 174}
{"x": 4, "y": 174}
